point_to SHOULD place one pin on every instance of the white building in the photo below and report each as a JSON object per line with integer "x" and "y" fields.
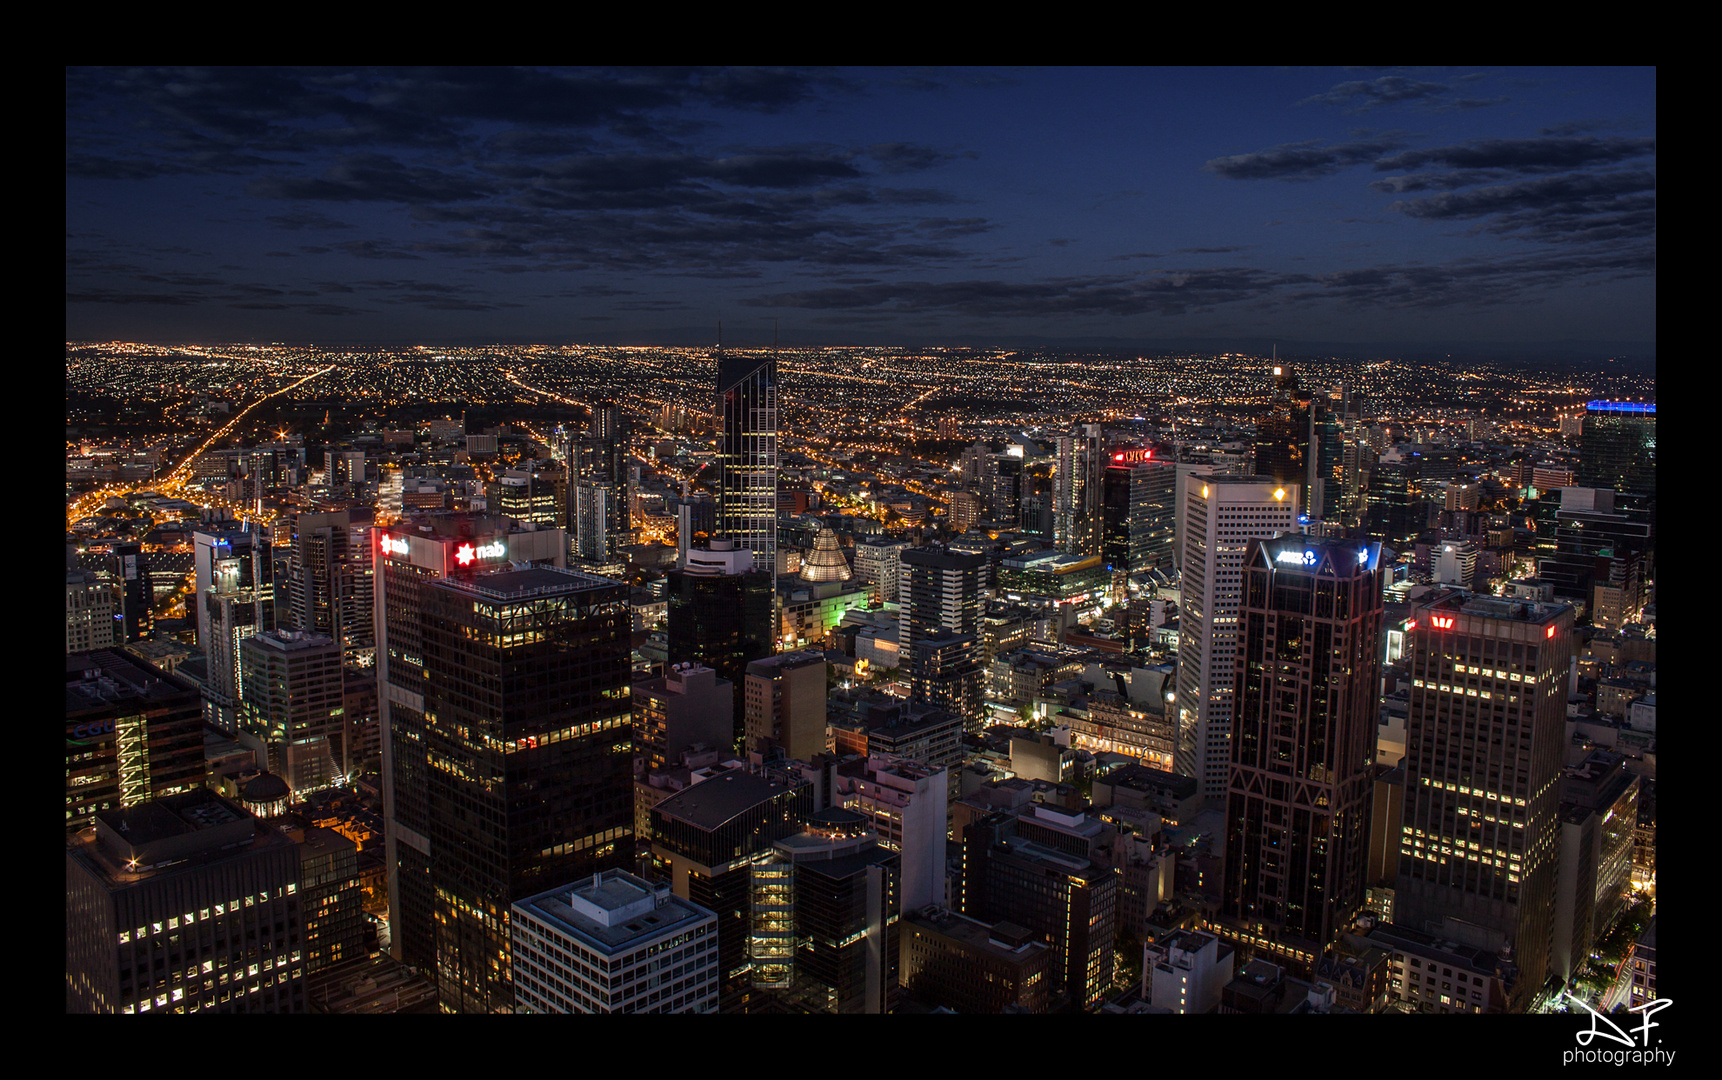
{"x": 876, "y": 563}
{"x": 1222, "y": 515}
{"x": 1186, "y": 972}
{"x": 90, "y": 622}
{"x": 905, "y": 803}
{"x": 614, "y": 943}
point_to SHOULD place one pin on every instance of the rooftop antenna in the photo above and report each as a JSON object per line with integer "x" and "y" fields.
{"x": 720, "y": 335}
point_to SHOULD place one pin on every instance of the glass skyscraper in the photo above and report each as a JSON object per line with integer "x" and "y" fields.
{"x": 747, "y": 456}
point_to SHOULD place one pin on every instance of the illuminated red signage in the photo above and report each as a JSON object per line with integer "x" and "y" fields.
{"x": 1132, "y": 455}
{"x": 1410, "y": 625}
{"x": 1551, "y": 632}
{"x": 1442, "y": 622}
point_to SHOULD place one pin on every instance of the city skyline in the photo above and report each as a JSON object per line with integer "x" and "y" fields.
{"x": 1418, "y": 211}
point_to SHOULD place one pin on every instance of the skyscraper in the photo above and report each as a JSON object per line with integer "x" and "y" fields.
{"x": 1077, "y": 518}
{"x": 524, "y": 780}
{"x": 329, "y": 578}
{"x": 720, "y": 615}
{"x": 1483, "y": 746}
{"x": 1617, "y": 448}
{"x": 133, "y": 733}
{"x": 1138, "y": 494}
{"x": 1222, "y": 515}
{"x": 234, "y": 575}
{"x": 410, "y": 557}
{"x": 1303, "y": 742}
{"x": 1283, "y": 436}
{"x": 292, "y": 709}
{"x": 940, "y": 589}
{"x": 747, "y": 456}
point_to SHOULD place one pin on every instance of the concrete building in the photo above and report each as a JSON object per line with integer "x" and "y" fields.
{"x": 968, "y": 966}
{"x": 90, "y": 622}
{"x": 292, "y": 713}
{"x": 690, "y": 706}
{"x": 1186, "y": 971}
{"x": 1479, "y": 839}
{"x": 876, "y": 564}
{"x": 1223, "y": 514}
{"x": 614, "y": 943}
{"x": 183, "y": 904}
{"x": 784, "y": 704}
{"x": 235, "y": 599}
{"x": 133, "y": 733}
{"x": 905, "y": 803}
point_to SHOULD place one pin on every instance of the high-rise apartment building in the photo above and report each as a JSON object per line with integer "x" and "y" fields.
{"x": 688, "y": 706}
{"x": 183, "y": 904}
{"x": 1303, "y": 743}
{"x": 876, "y": 562}
{"x": 329, "y": 578}
{"x": 234, "y": 577}
{"x": 784, "y": 704}
{"x": 292, "y": 711}
{"x": 747, "y": 456}
{"x": 1484, "y": 738}
{"x": 1222, "y": 515}
{"x": 90, "y": 621}
{"x": 938, "y": 590}
{"x": 133, "y": 733}
{"x": 1077, "y": 518}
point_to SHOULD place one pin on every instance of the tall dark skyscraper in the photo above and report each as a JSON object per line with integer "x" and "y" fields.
{"x": 720, "y": 615}
{"x": 940, "y": 589}
{"x": 329, "y": 578}
{"x": 747, "y": 456}
{"x": 1483, "y": 746}
{"x": 526, "y": 782}
{"x": 410, "y": 557}
{"x": 1140, "y": 507}
{"x": 1617, "y": 447}
{"x": 1303, "y": 743}
{"x": 130, "y": 570}
{"x": 598, "y": 505}
{"x": 1077, "y": 517}
{"x": 235, "y": 600}
{"x": 1283, "y": 436}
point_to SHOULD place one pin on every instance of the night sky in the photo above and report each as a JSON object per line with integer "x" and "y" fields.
{"x": 1398, "y": 209}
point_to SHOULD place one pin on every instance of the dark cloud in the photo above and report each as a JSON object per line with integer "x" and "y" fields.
{"x": 897, "y": 158}
{"x": 1387, "y": 90}
{"x": 373, "y": 178}
{"x": 1398, "y": 185}
{"x": 1524, "y": 155}
{"x": 1574, "y": 207}
{"x": 1300, "y": 161}
{"x": 306, "y": 219}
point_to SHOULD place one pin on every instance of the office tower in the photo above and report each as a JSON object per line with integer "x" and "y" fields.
{"x": 614, "y": 943}
{"x": 1598, "y": 817}
{"x": 966, "y": 510}
{"x": 905, "y": 802}
{"x": 133, "y": 733}
{"x": 689, "y": 706}
{"x": 825, "y": 913}
{"x": 720, "y": 615}
{"x": 969, "y": 966}
{"x": 1325, "y": 484}
{"x": 234, "y": 577}
{"x": 183, "y": 904}
{"x": 1617, "y": 449}
{"x": 706, "y": 837}
{"x": 945, "y": 671}
{"x": 1395, "y": 508}
{"x": 784, "y": 702}
{"x": 521, "y": 774}
{"x": 129, "y": 566}
{"x": 1484, "y": 738}
{"x": 1065, "y": 899}
{"x": 592, "y": 515}
{"x": 598, "y": 485}
{"x": 696, "y": 523}
{"x": 329, "y": 578}
{"x": 1077, "y": 518}
{"x": 1303, "y": 743}
{"x": 1138, "y": 495}
{"x": 537, "y": 496}
{"x": 90, "y": 620}
{"x": 1600, "y": 539}
{"x": 410, "y": 557}
{"x": 877, "y": 563}
{"x": 1456, "y": 563}
{"x": 1283, "y": 436}
{"x": 331, "y": 896}
{"x": 1002, "y": 480}
{"x": 292, "y": 710}
{"x": 747, "y": 456}
{"x": 1223, "y": 514}
{"x": 343, "y": 467}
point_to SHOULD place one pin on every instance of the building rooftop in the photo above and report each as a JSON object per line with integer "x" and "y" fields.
{"x": 516, "y": 584}
{"x": 725, "y": 795}
{"x": 613, "y": 910}
{"x": 106, "y": 678}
